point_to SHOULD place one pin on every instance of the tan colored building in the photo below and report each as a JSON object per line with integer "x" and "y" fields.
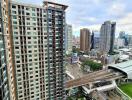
{"x": 85, "y": 40}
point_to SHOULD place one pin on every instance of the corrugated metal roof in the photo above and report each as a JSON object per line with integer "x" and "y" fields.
{"x": 125, "y": 67}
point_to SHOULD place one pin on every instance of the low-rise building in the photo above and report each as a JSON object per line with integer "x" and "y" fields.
{"x": 74, "y": 58}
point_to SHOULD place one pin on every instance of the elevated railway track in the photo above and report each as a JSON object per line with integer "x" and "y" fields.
{"x": 102, "y": 75}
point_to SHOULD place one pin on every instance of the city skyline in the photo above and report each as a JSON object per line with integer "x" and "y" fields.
{"x": 65, "y": 50}
{"x": 82, "y": 14}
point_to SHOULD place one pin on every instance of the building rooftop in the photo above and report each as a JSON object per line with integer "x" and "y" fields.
{"x": 124, "y": 57}
{"x": 87, "y": 56}
{"x": 25, "y": 4}
{"x": 39, "y": 6}
{"x": 125, "y": 67}
{"x": 49, "y": 3}
{"x": 125, "y": 50}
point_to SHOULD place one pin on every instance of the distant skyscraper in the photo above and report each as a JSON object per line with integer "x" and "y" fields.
{"x": 119, "y": 43}
{"x": 107, "y": 36}
{"x": 96, "y": 40}
{"x": 92, "y": 41}
{"x": 122, "y": 34}
{"x": 68, "y": 39}
{"x": 85, "y": 40}
{"x": 76, "y": 41}
{"x": 130, "y": 41}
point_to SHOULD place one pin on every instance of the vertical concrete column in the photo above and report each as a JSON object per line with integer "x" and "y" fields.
{"x": 90, "y": 85}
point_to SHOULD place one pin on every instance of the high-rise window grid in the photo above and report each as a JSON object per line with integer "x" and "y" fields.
{"x": 34, "y": 51}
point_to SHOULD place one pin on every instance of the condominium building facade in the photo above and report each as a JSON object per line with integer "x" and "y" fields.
{"x": 68, "y": 40}
{"x": 7, "y": 80}
{"x": 38, "y": 50}
{"x": 4, "y": 89}
{"x": 107, "y": 37}
{"x": 85, "y": 40}
{"x": 56, "y": 20}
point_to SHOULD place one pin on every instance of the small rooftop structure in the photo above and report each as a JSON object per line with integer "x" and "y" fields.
{"x": 53, "y": 4}
{"x": 86, "y": 56}
{"x": 124, "y": 57}
{"x": 125, "y": 50}
{"x": 124, "y": 67}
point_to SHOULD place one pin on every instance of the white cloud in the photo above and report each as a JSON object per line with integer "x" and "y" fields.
{"x": 92, "y": 13}
{"x": 95, "y": 27}
{"x": 92, "y": 19}
{"x": 117, "y": 9}
{"x": 96, "y": 1}
{"x": 86, "y": 19}
{"x": 125, "y": 23}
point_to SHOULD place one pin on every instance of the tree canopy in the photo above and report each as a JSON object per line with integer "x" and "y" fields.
{"x": 93, "y": 65}
{"x": 76, "y": 50}
{"x": 113, "y": 53}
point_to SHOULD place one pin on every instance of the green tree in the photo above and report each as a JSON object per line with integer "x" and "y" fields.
{"x": 93, "y": 65}
{"x": 113, "y": 53}
{"x": 76, "y": 50}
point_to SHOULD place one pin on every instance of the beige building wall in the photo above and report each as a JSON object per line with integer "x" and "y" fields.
{"x": 85, "y": 40}
{"x": 8, "y": 48}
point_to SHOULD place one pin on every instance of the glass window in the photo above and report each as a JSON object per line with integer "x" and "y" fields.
{"x": 29, "y": 47}
{"x": 30, "y": 68}
{"x": 35, "y": 55}
{"x": 28, "y": 18}
{"x": 33, "y": 14}
{"x": 29, "y": 42}
{"x": 14, "y": 22}
{"x": 17, "y": 56}
{"x": 29, "y": 33}
{"x": 14, "y": 17}
{"x": 34, "y": 28}
{"x": 34, "y": 24}
{"x": 33, "y": 9}
{"x": 34, "y": 19}
{"x": 27, "y": 14}
{"x": 35, "y": 50}
{"x": 28, "y": 28}
{"x": 15, "y": 27}
{"x": 16, "y": 42}
{"x": 34, "y": 37}
{"x": 29, "y": 37}
{"x": 13, "y": 12}
{"x": 27, "y": 8}
{"x": 34, "y": 33}
{"x": 35, "y": 42}
{"x": 30, "y": 55}
{"x": 13, "y": 6}
{"x": 28, "y": 23}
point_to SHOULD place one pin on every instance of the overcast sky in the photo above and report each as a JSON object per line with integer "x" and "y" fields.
{"x": 92, "y": 13}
